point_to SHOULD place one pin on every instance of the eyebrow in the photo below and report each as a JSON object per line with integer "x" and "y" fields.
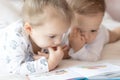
{"x": 51, "y": 34}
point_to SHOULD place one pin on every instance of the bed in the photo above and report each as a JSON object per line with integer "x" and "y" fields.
{"x": 11, "y": 12}
{"x": 110, "y": 54}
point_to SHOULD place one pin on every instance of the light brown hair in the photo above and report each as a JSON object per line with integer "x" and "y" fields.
{"x": 86, "y": 7}
{"x": 33, "y": 10}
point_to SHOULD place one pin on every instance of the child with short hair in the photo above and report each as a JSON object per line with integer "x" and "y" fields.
{"x": 88, "y": 35}
{"x": 42, "y": 27}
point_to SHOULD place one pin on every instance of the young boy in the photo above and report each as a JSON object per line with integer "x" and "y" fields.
{"x": 88, "y": 35}
{"x": 43, "y": 25}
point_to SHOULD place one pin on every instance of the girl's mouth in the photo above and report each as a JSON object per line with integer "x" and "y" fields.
{"x": 54, "y": 48}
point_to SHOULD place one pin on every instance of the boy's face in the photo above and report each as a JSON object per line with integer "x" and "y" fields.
{"x": 88, "y": 25}
{"x": 49, "y": 34}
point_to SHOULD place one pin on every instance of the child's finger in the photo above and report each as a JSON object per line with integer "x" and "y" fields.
{"x": 43, "y": 54}
{"x": 39, "y": 53}
{"x": 70, "y": 37}
{"x": 59, "y": 48}
{"x": 63, "y": 46}
{"x": 72, "y": 33}
{"x": 60, "y": 51}
{"x": 36, "y": 57}
{"x": 83, "y": 39}
{"x": 50, "y": 50}
{"x": 78, "y": 33}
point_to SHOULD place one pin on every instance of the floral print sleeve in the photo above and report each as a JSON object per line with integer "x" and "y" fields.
{"x": 18, "y": 54}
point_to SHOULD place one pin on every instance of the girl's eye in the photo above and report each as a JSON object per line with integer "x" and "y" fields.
{"x": 52, "y": 36}
{"x": 93, "y": 30}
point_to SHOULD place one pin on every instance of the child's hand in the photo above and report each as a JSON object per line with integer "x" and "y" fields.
{"x": 39, "y": 55}
{"x": 65, "y": 50}
{"x": 76, "y": 40}
{"x": 46, "y": 55}
{"x": 55, "y": 57}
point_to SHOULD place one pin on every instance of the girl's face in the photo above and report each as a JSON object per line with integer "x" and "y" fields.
{"x": 49, "y": 34}
{"x": 88, "y": 25}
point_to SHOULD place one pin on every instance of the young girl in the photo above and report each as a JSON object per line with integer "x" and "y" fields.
{"x": 88, "y": 35}
{"x": 44, "y": 22}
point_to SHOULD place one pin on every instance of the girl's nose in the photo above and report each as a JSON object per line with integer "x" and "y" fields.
{"x": 57, "y": 41}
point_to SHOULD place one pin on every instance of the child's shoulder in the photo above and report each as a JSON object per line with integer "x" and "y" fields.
{"x": 15, "y": 26}
{"x": 14, "y": 29}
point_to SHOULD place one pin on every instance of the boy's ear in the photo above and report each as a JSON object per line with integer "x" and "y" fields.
{"x": 27, "y": 28}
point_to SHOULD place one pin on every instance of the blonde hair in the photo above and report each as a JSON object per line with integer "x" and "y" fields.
{"x": 33, "y": 10}
{"x": 86, "y": 7}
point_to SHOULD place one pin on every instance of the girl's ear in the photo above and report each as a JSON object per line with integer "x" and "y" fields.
{"x": 27, "y": 28}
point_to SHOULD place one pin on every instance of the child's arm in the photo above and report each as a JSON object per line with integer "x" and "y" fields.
{"x": 18, "y": 56}
{"x": 40, "y": 65}
{"x": 39, "y": 55}
{"x": 74, "y": 40}
{"x": 87, "y": 53}
{"x": 114, "y": 34}
{"x": 18, "y": 65}
{"x": 55, "y": 57}
{"x": 65, "y": 49}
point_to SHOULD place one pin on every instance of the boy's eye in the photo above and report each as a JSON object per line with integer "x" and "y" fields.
{"x": 93, "y": 30}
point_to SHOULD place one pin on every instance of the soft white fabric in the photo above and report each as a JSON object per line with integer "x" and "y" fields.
{"x": 92, "y": 51}
{"x": 10, "y": 11}
{"x": 113, "y": 8}
{"x": 16, "y": 52}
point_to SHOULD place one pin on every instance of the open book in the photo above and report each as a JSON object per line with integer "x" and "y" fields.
{"x": 89, "y": 71}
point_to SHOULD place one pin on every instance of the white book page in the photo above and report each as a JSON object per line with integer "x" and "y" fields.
{"x": 76, "y": 71}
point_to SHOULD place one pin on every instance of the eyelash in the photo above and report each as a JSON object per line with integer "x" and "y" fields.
{"x": 93, "y": 30}
{"x": 90, "y": 30}
{"x": 52, "y": 36}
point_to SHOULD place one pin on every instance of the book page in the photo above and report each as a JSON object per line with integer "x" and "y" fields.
{"x": 78, "y": 71}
